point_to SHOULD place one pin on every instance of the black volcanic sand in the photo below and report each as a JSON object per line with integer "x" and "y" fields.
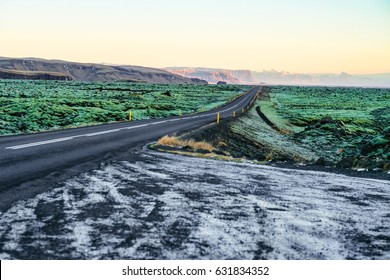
{"x": 149, "y": 205}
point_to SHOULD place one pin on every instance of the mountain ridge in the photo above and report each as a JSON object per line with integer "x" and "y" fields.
{"x": 29, "y": 68}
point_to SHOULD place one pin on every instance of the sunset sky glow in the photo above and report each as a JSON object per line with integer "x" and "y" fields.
{"x": 302, "y": 36}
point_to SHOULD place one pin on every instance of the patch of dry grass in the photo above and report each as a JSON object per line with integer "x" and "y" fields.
{"x": 173, "y": 141}
{"x": 169, "y": 141}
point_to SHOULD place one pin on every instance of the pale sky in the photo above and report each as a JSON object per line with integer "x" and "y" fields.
{"x": 305, "y": 36}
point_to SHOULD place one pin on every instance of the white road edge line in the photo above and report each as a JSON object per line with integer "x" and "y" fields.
{"x": 40, "y": 143}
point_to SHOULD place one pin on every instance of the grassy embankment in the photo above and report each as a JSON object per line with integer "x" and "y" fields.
{"x": 31, "y": 106}
{"x": 339, "y": 127}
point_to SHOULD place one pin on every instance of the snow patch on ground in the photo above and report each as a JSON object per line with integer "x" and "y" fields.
{"x": 164, "y": 206}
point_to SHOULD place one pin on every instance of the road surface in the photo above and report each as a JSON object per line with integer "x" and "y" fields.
{"x": 28, "y": 157}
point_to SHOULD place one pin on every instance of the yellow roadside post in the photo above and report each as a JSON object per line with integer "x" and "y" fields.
{"x": 243, "y": 110}
{"x": 202, "y": 108}
{"x": 130, "y": 116}
{"x": 180, "y": 113}
{"x": 234, "y": 114}
{"x": 218, "y": 116}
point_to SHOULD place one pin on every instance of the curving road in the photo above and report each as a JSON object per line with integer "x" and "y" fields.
{"x": 28, "y": 157}
{"x": 111, "y": 198}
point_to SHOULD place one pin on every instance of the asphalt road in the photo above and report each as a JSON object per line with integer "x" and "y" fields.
{"x": 28, "y": 157}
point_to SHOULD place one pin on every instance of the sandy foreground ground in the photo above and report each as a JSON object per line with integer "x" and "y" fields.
{"x": 163, "y": 206}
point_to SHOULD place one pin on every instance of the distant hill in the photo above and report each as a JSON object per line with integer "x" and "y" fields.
{"x": 210, "y": 75}
{"x": 35, "y": 68}
{"x": 282, "y": 78}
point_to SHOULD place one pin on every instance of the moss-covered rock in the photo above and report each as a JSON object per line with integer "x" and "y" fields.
{"x": 379, "y": 141}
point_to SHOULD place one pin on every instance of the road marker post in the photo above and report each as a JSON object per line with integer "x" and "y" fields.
{"x": 234, "y": 114}
{"x": 218, "y": 116}
{"x": 202, "y": 109}
{"x": 242, "y": 110}
{"x": 130, "y": 116}
{"x": 180, "y": 114}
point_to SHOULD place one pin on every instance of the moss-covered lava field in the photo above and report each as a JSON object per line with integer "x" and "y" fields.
{"x": 31, "y": 106}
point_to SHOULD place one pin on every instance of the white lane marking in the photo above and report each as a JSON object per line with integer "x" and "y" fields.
{"x": 159, "y": 122}
{"x": 136, "y": 126}
{"x": 101, "y": 132}
{"x": 40, "y": 143}
{"x": 72, "y": 137}
{"x": 112, "y": 130}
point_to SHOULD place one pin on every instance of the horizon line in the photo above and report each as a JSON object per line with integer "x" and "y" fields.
{"x": 198, "y": 67}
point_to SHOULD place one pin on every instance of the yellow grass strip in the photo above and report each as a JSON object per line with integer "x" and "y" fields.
{"x": 176, "y": 142}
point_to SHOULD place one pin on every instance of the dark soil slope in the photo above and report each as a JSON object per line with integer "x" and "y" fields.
{"x": 33, "y": 75}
